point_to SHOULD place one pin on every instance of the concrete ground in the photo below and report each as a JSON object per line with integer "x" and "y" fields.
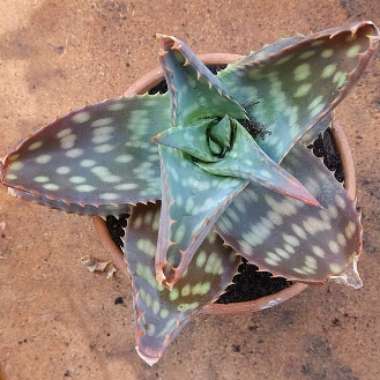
{"x": 57, "y": 320}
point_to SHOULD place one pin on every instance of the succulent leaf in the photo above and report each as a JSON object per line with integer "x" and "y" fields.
{"x": 294, "y": 240}
{"x": 192, "y": 201}
{"x": 93, "y": 160}
{"x": 291, "y": 87}
{"x": 160, "y": 313}
{"x": 195, "y": 91}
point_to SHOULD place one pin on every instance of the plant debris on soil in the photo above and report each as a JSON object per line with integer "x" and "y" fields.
{"x": 95, "y": 265}
{"x": 249, "y": 284}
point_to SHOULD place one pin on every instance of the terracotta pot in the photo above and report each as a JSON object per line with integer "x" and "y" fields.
{"x": 143, "y": 85}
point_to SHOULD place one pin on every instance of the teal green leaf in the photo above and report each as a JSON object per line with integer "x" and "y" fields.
{"x": 161, "y": 314}
{"x": 290, "y": 87}
{"x": 292, "y": 239}
{"x": 93, "y": 160}
{"x": 195, "y": 92}
{"x": 192, "y": 201}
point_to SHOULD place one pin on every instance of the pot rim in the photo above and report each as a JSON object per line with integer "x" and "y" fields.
{"x": 150, "y": 80}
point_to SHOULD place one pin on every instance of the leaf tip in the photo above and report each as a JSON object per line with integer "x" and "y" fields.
{"x": 151, "y": 361}
{"x": 155, "y": 139}
{"x": 168, "y": 42}
{"x": 160, "y": 275}
{"x": 12, "y": 192}
{"x": 350, "y": 276}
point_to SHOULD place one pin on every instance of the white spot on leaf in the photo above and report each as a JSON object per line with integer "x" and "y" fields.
{"x": 87, "y": 163}
{"x": 63, "y": 170}
{"x": 68, "y": 141}
{"x": 126, "y": 186}
{"x": 16, "y": 166}
{"x": 34, "y": 146}
{"x": 81, "y": 117}
{"x": 302, "y": 90}
{"x": 74, "y": 153}
{"x": 353, "y": 51}
{"x": 124, "y": 158}
{"x": 105, "y": 148}
{"x": 43, "y": 159}
{"x": 51, "y": 186}
{"x": 85, "y": 188}
{"x": 327, "y": 53}
{"x": 41, "y": 179}
{"x": 328, "y": 71}
{"x": 109, "y": 196}
{"x": 102, "y": 122}
{"x": 65, "y": 132}
{"x": 302, "y": 72}
{"x": 77, "y": 179}
{"x": 116, "y": 106}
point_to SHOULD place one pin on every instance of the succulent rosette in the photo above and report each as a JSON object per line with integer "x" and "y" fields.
{"x": 216, "y": 166}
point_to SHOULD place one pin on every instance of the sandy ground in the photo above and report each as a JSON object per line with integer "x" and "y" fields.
{"x": 58, "y": 321}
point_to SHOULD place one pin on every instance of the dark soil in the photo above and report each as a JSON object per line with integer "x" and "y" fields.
{"x": 249, "y": 284}
{"x": 116, "y": 227}
{"x": 324, "y": 146}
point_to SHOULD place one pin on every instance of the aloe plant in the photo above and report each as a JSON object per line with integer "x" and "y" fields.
{"x": 215, "y": 166}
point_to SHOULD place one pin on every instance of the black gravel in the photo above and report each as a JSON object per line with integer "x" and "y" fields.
{"x": 324, "y": 146}
{"x": 116, "y": 227}
{"x": 250, "y": 284}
